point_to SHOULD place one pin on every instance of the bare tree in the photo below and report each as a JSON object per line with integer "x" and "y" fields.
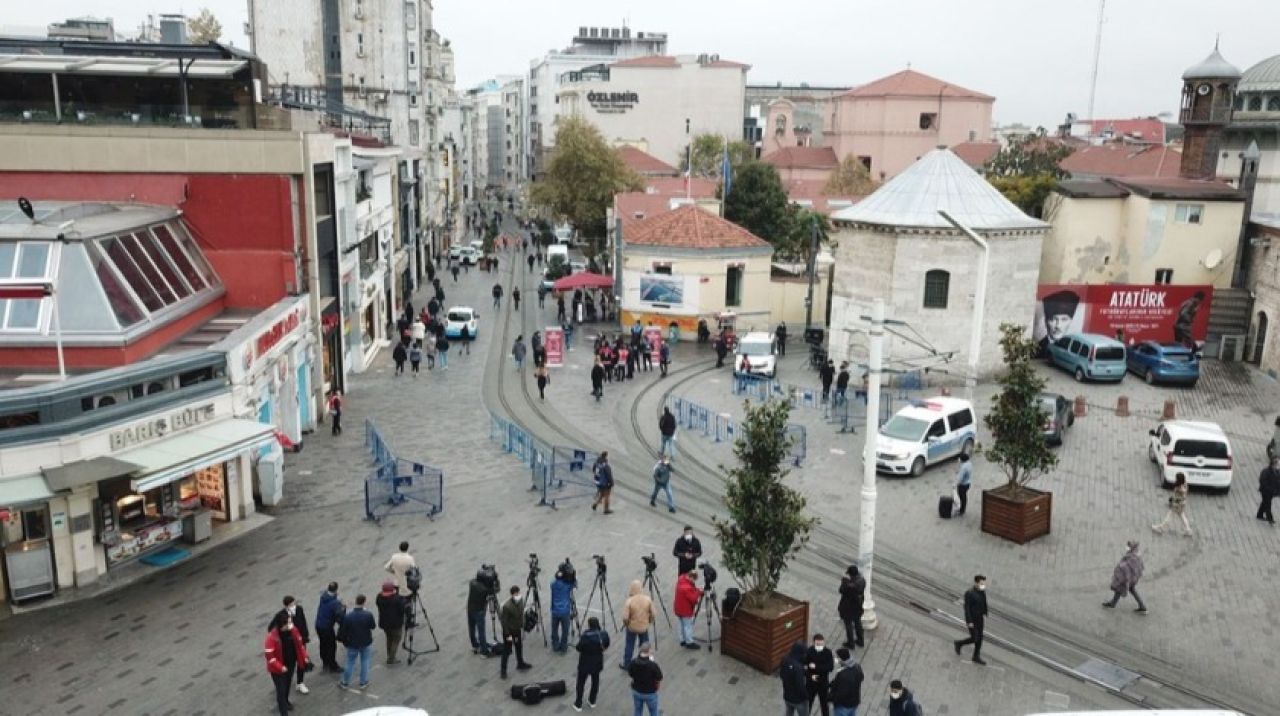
{"x": 204, "y": 28}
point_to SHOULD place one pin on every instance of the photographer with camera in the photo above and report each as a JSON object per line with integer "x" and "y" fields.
{"x": 512, "y": 619}
{"x": 687, "y": 550}
{"x": 687, "y": 597}
{"x": 591, "y": 646}
{"x": 391, "y": 608}
{"x": 637, "y": 615}
{"x": 561, "y": 610}
{"x": 480, "y": 592}
{"x": 400, "y": 563}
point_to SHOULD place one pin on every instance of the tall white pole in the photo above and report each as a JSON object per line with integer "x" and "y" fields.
{"x": 57, "y": 334}
{"x": 867, "y": 530}
{"x": 979, "y": 303}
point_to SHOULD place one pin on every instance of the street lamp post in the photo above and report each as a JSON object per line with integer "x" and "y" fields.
{"x": 979, "y": 301}
{"x": 867, "y": 528}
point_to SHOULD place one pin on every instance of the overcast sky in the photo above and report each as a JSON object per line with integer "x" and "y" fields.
{"x": 1035, "y": 56}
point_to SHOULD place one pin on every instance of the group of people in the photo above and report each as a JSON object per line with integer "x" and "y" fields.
{"x": 423, "y": 337}
{"x": 619, "y": 359}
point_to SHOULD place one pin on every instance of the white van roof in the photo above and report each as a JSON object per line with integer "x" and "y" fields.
{"x": 756, "y": 337}
{"x": 1194, "y": 429}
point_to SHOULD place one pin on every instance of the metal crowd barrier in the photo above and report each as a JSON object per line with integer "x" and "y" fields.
{"x": 720, "y": 427}
{"x": 395, "y": 485}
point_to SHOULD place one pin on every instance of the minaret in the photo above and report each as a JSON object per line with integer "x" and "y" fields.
{"x": 1208, "y": 90}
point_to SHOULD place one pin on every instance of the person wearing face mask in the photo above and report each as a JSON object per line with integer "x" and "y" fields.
{"x": 975, "y": 615}
{"x": 901, "y": 701}
{"x": 795, "y": 693}
{"x": 294, "y": 611}
{"x": 687, "y": 551}
{"x": 512, "y": 620}
{"x": 818, "y": 665}
{"x": 285, "y": 654}
{"x": 846, "y": 687}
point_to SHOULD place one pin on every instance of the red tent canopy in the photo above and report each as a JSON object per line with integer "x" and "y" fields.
{"x": 585, "y": 279}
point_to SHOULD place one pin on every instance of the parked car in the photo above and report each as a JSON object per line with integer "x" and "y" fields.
{"x": 455, "y": 252}
{"x": 1164, "y": 363}
{"x": 1089, "y": 356}
{"x": 469, "y": 256}
{"x": 925, "y": 433}
{"x": 757, "y": 354}
{"x": 1198, "y": 450}
{"x": 459, "y": 316}
{"x": 1060, "y": 417}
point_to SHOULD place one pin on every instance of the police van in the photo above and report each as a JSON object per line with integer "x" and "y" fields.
{"x": 925, "y": 433}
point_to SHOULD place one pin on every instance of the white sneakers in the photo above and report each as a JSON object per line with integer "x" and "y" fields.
{"x": 302, "y": 689}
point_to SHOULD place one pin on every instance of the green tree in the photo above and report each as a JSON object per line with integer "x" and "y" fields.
{"x": 1027, "y": 169}
{"x": 708, "y": 155}
{"x": 582, "y": 178}
{"x": 757, "y": 203}
{"x": 1016, "y": 418}
{"x": 851, "y": 178}
{"x": 204, "y": 28}
{"x": 766, "y": 525}
{"x": 800, "y": 222}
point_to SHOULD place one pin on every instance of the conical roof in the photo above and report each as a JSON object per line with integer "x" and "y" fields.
{"x": 939, "y": 180}
{"x": 1213, "y": 67}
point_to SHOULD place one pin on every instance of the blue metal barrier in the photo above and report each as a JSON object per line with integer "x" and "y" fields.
{"x": 570, "y": 476}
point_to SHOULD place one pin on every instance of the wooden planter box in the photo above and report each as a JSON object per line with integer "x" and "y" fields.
{"x": 761, "y": 638}
{"x": 1018, "y": 519}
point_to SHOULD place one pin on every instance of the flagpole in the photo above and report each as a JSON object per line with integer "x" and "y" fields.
{"x": 688, "y": 163}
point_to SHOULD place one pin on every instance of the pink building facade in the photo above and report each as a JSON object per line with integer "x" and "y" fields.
{"x": 889, "y": 123}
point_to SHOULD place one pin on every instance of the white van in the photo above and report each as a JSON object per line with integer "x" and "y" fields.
{"x": 564, "y": 234}
{"x": 925, "y": 433}
{"x": 561, "y": 250}
{"x": 1199, "y": 450}
{"x": 757, "y": 354}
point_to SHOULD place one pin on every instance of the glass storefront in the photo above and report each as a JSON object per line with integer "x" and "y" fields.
{"x": 132, "y": 524}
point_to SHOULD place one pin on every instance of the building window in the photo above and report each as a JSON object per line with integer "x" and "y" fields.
{"x": 1255, "y": 104}
{"x": 733, "y": 287}
{"x": 1273, "y": 104}
{"x": 1188, "y": 213}
{"x": 1238, "y": 105}
{"x": 937, "y": 284}
{"x": 928, "y": 120}
{"x": 866, "y": 162}
{"x": 413, "y": 132}
{"x": 1164, "y": 276}
{"x": 413, "y": 100}
{"x": 413, "y": 58}
{"x": 664, "y": 269}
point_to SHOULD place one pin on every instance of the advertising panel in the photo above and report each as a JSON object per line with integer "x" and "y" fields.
{"x": 553, "y": 343}
{"x": 1131, "y": 313}
{"x": 654, "y": 334}
{"x": 662, "y": 289}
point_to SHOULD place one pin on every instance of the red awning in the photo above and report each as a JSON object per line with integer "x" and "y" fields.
{"x": 17, "y": 291}
{"x": 586, "y": 279}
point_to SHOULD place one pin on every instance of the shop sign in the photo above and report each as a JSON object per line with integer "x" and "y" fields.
{"x": 156, "y": 428}
{"x": 269, "y": 338}
{"x": 612, "y": 102}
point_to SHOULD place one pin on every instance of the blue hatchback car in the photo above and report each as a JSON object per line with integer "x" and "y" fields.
{"x": 1164, "y": 363}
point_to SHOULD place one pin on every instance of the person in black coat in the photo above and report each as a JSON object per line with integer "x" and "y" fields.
{"x": 391, "y": 608}
{"x": 591, "y": 646}
{"x": 687, "y": 551}
{"x": 853, "y": 588}
{"x": 901, "y": 701}
{"x": 399, "y": 354}
{"x": 294, "y": 611}
{"x": 975, "y": 615}
{"x": 722, "y": 350}
{"x": 1269, "y": 487}
{"x": 597, "y": 379}
{"x": 828, "y": 374}
{"x": 794, "y": 693}
{"x": 818, "y": 665}
{"x": 846, "y": 687}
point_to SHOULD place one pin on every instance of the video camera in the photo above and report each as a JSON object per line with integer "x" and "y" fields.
{"x": 601, "y": 567}
{"x": 413, "y": 579}
{"x": 708, "y": 574}
{"x": 650, "y": 562}
{"x": 534, "y": 567}
{"x": 488, "y": 577}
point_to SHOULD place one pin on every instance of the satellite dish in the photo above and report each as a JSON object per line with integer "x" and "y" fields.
{"x": 1213, "y": 259}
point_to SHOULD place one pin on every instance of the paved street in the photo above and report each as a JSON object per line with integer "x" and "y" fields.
{"x": 179, "y": 639}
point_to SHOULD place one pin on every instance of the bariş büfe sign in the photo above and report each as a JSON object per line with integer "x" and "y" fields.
{"x": 1161, "y": 313}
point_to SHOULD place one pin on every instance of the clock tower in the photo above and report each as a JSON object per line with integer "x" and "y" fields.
{"x": 1208, "y": 91}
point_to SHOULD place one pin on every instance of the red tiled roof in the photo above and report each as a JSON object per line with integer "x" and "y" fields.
{"x": 635, "y": 206}
{"x": 648, "y": 61}
{"x": 645, "y": 164}
{"x": 729, "y": 63}
{"x": 1119, "y": 160}
{"x": 802, "y": 157}
{"x": 976, "y": 154}
{"x": 811, "y": 190}
{"x": 1144, "y": 129}
{"x": 689, "y": 227}
{"x": 699, "y": 187}
{"x": 909, "y": 83}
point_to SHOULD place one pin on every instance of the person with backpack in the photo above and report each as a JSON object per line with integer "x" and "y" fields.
{"x": 902, "y": 702}
{"x": 604, "y": 482}
{"x": 662, "y": 483}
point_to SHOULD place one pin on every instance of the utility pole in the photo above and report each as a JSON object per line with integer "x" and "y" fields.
{"x": 813, "y": 271}
{"x": 617, "y": 264}
{"x": 1097, "y": 56}
{"x": 867, "y": 530}
{"x": 979, "y": 302}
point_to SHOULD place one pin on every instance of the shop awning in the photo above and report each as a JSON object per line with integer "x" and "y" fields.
{"x": 86, "y": 472}
{"x": 182, "y": 454}
{"x": 25, "y": 490}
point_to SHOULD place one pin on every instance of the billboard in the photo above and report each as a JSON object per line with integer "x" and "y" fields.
{"x": 553, "y": 342}
{"x": 662, "y": 289}
{"x": 1132, "y": 313}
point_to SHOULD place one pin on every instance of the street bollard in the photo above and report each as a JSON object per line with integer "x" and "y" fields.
{"x": 1122, "y": 406}
{"x": 1169, "y": 412}
{"x": 1081, "y": 408}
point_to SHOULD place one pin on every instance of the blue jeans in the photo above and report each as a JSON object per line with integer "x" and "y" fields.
{"x": 671, "y": 501}
{"x": 641, "y": 700}
{"x": 668, "y": 446}
{"x": 686, "y": 630}
{"x": 366, "y": 655}
{"x": 475, "y": 630}
{"x": 631, "y": 645}
{"x": 560, "y": 632}
{"x": 845, "y": 711}
{"x": 444, "y": 359}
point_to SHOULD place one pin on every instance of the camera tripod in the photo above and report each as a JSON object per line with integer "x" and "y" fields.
{"x": 491, "y": 606}
{"x": 606, "y": 604}
{"x": 710, "y": 600}
{"x": 413, "y": 605}
{"x": 534, "y": 598}
{"x": 655, "y": 595}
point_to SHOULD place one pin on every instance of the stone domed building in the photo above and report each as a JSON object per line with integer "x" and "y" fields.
{"x": 894, "y": 245}
{"x": 1256, "y": 118}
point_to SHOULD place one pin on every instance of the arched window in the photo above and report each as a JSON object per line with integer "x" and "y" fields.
{"x": 1238, "y": 105}
{"x": 937, "y": 284}
{"x": 1273, "y": 104}
{"x": 1255, "y": 104}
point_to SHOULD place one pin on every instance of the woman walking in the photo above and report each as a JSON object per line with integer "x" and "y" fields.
{"x": 1124, "y": 580}
{"x": 591, "y": 646}
{"x": 285, "y": 654}
{"x": 543, "y": 380}
{"x": 1177, "y": 507}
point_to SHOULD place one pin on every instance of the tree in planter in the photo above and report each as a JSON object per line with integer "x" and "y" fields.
{"x": 1016, "y": 419}
{"x": 767, "y": 524}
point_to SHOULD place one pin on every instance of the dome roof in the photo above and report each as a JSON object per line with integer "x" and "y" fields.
{"x": 939, "y": 180}
{"x": 1262, "y": 77}
{"x": 1213, "y": 67}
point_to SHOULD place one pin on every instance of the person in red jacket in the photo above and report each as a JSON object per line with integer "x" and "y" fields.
{"x": 285, "y": 655}
{"x": 687, "y": 596}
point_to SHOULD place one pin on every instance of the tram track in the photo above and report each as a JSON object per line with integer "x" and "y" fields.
{"x": 1056, "y": 646}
